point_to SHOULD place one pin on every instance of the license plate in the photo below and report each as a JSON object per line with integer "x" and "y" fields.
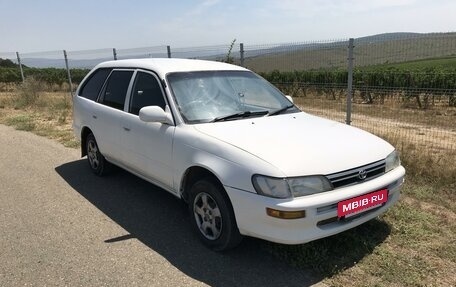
{"x": 361, "y": 203}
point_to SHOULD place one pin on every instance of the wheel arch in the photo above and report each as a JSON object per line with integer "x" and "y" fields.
{"x": 193, "y": 174}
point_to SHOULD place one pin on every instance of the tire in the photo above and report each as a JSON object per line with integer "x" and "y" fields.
{"x": 97, "y": 162}
{"x": 212, "y": 215}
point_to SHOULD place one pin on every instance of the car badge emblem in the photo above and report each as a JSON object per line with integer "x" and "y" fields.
{"x": 362, "y": 174}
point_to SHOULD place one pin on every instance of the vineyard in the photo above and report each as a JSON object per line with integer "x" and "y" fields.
{"x": 418, "y": 80}
{"x": 51, "y": 76}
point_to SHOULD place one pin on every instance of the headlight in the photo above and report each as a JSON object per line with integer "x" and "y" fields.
{"x": 307, "y": 185}
{"x": 292, "y": 187}
{"x": 272, "y": 187}
{"x": 392, "y": 161}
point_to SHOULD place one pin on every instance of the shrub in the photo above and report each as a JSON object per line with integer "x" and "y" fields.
{"x": 29, "y": 92}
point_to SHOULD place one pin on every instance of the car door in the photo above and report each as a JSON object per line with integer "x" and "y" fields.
{"x": 108, "y": 111}
{"x": 148, "y": 146}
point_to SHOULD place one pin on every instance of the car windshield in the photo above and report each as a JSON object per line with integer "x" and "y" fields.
{"x": 225, "y": 95}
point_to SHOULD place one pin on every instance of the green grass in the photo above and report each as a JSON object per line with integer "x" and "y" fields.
{"x": 412, "y": 224}
{"x": 433, "y": 191}
{"x": 21, "y": 122}
{"x": 444, "y": 63}
{"x": 329, "y": 256}
{"x": 63, "y": 136}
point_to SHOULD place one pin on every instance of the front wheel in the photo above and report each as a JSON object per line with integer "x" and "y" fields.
{"x": 212, "y": 215}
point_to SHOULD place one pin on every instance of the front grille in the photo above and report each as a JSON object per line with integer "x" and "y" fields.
{"x": 351, "y": 176}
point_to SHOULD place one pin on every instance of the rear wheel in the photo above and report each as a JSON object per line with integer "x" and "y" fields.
{"x": 97, "y": 162}
{"x": 212, "y": 215}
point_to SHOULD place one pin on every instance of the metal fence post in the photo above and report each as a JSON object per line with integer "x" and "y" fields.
{"x": 168, "y": 49}
{"x": 20, "y": 66}
{"x": 350, "y": 81}
{"x": 114, "y": 54}
{"x": 68, "y": 71}
{"x": 241, "y": 52}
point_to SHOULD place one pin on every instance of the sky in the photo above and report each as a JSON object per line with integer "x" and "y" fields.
{"x": 51, "y": 25}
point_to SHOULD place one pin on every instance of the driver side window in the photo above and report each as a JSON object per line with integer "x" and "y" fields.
{"x": 146, "y": 92}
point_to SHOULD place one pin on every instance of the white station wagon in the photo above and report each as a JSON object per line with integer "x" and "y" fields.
{"x": 243, "y": 157}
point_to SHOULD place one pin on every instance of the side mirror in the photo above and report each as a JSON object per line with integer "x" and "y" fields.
{"x": 155, "y": 114}
{"x": 290, "y": 99}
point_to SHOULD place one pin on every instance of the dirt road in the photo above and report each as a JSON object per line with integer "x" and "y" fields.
{"x": 62, "y": 226}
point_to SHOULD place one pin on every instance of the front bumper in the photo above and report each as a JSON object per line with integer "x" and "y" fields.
{"x": 321, "y": 211}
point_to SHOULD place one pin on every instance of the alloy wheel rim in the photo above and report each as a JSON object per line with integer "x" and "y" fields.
{"x": 207, "y": 216}
{"x": 92, "y": 154}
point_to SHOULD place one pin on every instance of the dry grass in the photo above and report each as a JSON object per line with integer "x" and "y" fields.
{"x": 394, "y": 107}
{"x": 50, "y": 115}
{"x": 426, "y": 139}
{"x": 28, "y": 93}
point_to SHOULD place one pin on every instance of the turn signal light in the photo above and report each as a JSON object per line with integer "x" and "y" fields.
{"x": 285, "y": 214}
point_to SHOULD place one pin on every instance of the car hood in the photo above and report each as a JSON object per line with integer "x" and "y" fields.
{"x": 301, "y": 144}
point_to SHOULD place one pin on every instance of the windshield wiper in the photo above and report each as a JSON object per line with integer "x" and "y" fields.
{"x": 278, "y": 111}
{"x": 238, "y": 115}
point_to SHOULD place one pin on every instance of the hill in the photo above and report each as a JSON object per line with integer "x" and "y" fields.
{"x": 438, "y": 63}
{"x": 7, "y": 63}
{"x": 372, "y": 50}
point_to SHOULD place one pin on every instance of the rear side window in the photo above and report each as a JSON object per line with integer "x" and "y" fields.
{"x": 146, "y": 92}
{"x": 92, "y": 87}
{"x": 116, "y": 89}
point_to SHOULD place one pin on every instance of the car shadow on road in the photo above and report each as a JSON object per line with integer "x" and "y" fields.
{"x": 160, "y": 221}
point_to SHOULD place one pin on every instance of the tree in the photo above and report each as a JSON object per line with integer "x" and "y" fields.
{"x": 7, "y": 63}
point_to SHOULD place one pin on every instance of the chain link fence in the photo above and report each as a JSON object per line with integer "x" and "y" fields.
{"x": 400, "y": 86}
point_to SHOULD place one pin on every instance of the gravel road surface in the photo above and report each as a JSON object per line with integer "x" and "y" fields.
{"x": 60, "y": 225}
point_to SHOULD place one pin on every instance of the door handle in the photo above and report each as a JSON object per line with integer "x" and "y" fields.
{"x": 126, "y": 129}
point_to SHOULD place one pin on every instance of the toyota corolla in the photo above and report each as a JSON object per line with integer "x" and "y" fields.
{"x": 246, "y": 160}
